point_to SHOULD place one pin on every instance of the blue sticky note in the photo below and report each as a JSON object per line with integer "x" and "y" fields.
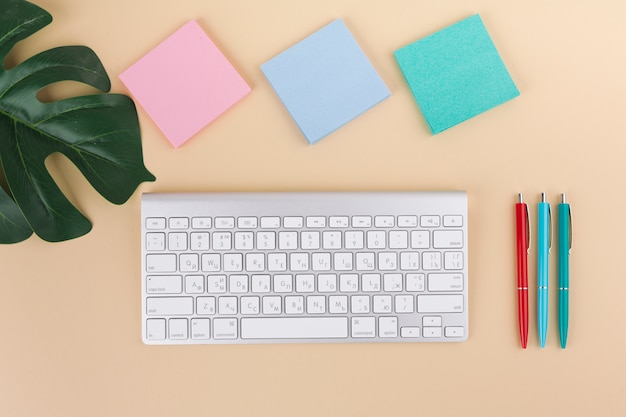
{"x": 455, "y": 74}
{"x": 325, "y": 81}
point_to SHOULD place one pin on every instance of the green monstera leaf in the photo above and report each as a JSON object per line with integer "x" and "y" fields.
{"x": 99, "y": 133}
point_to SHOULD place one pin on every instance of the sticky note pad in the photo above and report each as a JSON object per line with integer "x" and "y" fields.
{"x": 185, "y": 83}
{"x": 325, "y": 81}
{"x": 455, "y": 74}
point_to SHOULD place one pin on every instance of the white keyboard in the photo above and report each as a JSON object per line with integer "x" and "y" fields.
{"x": 234, "y": 268}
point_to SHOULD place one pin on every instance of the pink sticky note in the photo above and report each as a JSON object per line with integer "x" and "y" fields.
{"x": 185, "y": 83}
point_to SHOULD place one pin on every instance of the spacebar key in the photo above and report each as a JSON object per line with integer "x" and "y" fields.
{"x": 294, "y": 328}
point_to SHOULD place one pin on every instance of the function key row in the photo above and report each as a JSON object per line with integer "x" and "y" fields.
{"x": 299, "y": 222}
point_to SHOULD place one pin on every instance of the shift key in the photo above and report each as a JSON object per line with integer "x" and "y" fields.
{"x": 440, "y": 303}
{"x": 169, "y": 306}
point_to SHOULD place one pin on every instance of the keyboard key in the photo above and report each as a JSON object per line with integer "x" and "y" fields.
{"x": 315, "y": 222}
{"x": 292, "y": 222}
{"x": 454, "y": 331}
{"x": 451, "y": 303}
{"x": 409, "y": 261}
{"x": 415, "y": 282}
{"x": 398, "y": 239}
{"x": 404, "y": 304}
{"x": 164, "y": 284}
{"x": 270, "y": 222}
{"x": 382, "y": 304}
{"x": 339, "y": 221}
{"x": 266, "y": 240}
{"x": 431, "y": 261}
{"x": 205, "y": 306}
{"x": 376, "y": 239}
{"x": 225, "y": 329}
{"x": 250, "y": 305}
{"x": 227, "y": 306}
{"x": 224, "y": 222}
{"x": 188, "y": 262}
{"x": 294, "y": 328}
{"x": 247, "y": 222}
{"x": 310, "y": 240}
{"x": 348, "y": 282}
{"x": 331, "y": 240}
{"x": 431, "y": 321}
{"x": 177, "y": 241}
{"x": 363, "y": 327}
{"x": 305, "y": 283}
{"x": 161, "y": 263}
{"x": 155, "y": 329}
{"x": 260, "y": 283}
{"x": 410, "y": 332}
{"x": 338, "y": 304}
{"x": 179, "y": 223}
{"x": 445, "y": 282}
{"x": 327, "y": 283}
{"x": 194, "y": 284}
{"x": 155, "y": 223}
{"x": 199, "y": 241}
{"x": 294, "y": 304}
{"x": 453, "y": 260}
{"x": 420, "y": 239}
{"x": 452, "y": 221}
{"x": 388, "y": 327}
{"x": 445, "y": 239}
{"x": 178, "y": 329}
{"x": 287, "y": 240}
{"x": 200, "y": 329}
{"x": 384, "y": 221}
{"x": 201, "y": 223}
{"x": 155, "y": 241}
{"x": 359, "y": 304}
{"x": 392, "y": 282}
{"x": 429, "y": 221}
{"x": 431, "y": 332}
{"x": 407, "y": 221}
{"x": 316, "y": 304}
{"x": 354, "y": 239}
{"x": 169, "y": 306}
{"x": 222, "y": 241}
{"x": 362, "y": 221}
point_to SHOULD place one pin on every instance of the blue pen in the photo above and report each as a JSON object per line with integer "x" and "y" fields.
{"x": 544, "y": 245}
{"x": 565, "y": 246}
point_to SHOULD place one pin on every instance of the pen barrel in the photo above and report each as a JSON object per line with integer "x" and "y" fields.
{"x": 543, "y": 248}
{"x": 563, "y": 315}
{"x": 522, "y": 309}
{"x": 564, "y": 248}
{"x": 521, "y": 224}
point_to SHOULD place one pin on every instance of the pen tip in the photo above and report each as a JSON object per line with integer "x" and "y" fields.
{"x": 563, "y": 198}
{"x": 543, "y": 197}
{"x": 520, "y": 198}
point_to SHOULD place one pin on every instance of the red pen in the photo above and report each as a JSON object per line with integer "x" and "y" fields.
{"x": 522, "y": 223}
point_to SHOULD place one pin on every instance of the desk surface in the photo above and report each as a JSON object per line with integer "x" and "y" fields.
{"x": 70, "y": 312}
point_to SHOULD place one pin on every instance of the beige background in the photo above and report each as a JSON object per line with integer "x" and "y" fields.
{"x": 70, "y": 312}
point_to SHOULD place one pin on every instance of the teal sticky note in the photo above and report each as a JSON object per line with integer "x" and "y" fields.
{"x": 455, "y": 74}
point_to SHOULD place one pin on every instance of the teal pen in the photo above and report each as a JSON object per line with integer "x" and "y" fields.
{"x": 565, "y": 246}
{"x": 544, "y": 245}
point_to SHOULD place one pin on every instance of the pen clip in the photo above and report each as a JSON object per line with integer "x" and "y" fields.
{"x": 550, "y": 229}
{"x": 527, "y": 229}
{"x": 543, "y": 200}
{"x": 570, "y": 229}
{"x": 569, "y": 219}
